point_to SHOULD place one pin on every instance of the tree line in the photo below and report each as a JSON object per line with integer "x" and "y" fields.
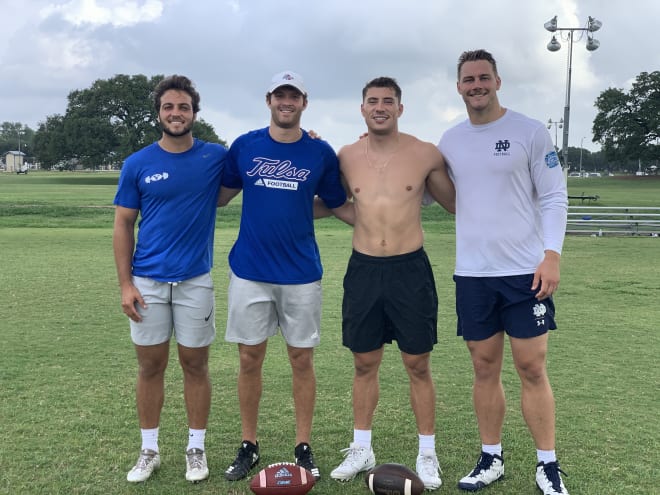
{"x": 113, "y": 118}
{"x": 103, "y": 124}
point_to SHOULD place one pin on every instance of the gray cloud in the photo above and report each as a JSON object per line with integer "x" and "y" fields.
{"x": 231, "y": 49}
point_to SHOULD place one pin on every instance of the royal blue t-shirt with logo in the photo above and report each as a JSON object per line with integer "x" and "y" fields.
{"x": 276, "y": 242}
{"x": 176, "y": 194}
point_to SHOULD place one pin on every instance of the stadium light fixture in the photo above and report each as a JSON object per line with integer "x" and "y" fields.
{"x": 554, "y": 45}
{"x": 558, "y": 124}
{"x": 551, "y": 25}
{"x": 568, "y": 34}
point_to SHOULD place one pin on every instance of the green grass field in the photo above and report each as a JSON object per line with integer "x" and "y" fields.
{"x": 67, "y": 366}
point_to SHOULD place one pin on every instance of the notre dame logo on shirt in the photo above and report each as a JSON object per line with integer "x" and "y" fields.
{"x": 502, "y": 148}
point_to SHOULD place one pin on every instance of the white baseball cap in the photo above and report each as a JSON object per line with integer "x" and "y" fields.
{"x": 287, "y": 78}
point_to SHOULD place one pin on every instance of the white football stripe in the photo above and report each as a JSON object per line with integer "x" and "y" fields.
{"x": 407, "y": 486}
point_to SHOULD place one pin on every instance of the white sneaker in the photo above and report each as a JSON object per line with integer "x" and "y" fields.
{"x": 197, "y": 468}
{"x": 549, "y": 480}
{"x": 147, "y": 463}
{"x": 489, "y": 469}
{"x": 356, "y": 460}
{"x": 428, "y": 469}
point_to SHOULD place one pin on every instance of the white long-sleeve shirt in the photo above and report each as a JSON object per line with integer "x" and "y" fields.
{"x": 511, "y": 199}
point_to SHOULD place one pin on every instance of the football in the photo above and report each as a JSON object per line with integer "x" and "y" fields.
{"x": 393, "y": 479}
{"x": 283, "y": 477}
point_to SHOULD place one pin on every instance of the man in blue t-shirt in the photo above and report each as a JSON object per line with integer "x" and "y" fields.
{"x": 275, "y": 264}
{"x": 164, "y": 277}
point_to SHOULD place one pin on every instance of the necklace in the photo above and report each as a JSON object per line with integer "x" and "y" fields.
{"x": 380, "y": 166}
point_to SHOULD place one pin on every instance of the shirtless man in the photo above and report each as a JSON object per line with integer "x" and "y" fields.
{"x": 389, "y": 289}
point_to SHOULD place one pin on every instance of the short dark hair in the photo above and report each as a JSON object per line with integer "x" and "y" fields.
{"x": 473, "y": 56}
{"x": 179, "y": 83}
{"x": 383, "y": 82}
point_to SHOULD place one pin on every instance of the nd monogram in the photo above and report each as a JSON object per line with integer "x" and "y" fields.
{"x": 502, "y": 145}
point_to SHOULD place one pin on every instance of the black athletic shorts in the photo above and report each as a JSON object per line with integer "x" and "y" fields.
{"x": 390, "y": 298}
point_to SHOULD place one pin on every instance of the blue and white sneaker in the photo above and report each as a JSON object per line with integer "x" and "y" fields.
{"x": 548, "y": 478}
{"x": 489, "y": 469}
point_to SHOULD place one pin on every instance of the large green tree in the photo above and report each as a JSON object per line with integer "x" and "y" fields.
{"x": 105, "y": 123}
{"x": 50, "y": 142}
{"x": 628, "y": 123}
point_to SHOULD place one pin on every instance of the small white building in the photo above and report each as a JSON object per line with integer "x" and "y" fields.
{"x": 14, "y": 161}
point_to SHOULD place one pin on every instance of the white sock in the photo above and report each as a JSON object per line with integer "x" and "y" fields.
{"x": 362, "y": 438}
{"x": 149, "y": 438}
{"x": 426, "y": 443}
{"x": 495, "y": 449}
{"x": 196, "y": 439}
{"x": 546, "y": 456}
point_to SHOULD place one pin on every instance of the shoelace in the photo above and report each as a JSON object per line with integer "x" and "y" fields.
{"x": 352, "y": 454}
{"x": 196, "y": 460}
{"x": 144, "y": 460}
{"x": 429, "y": 466}
{"x": 552, "y": 471}
{"x": 484, "y": 464}
{"x": 245, "y": 454}
{"x": 305, "y": 459}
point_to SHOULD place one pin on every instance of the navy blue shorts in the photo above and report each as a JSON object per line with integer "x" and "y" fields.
{"x": 390, "y": 298}
{"x": 488, "y": 305}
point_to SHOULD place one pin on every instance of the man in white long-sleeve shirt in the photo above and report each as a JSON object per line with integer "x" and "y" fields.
{"x": 511, "y": 205}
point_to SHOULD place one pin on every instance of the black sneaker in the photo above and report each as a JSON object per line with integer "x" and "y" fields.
{"x": 246, "y": 458}
{"x": 305, "y": 458}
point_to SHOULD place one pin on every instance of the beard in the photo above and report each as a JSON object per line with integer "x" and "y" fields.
{"x": 185, "y": 130}
{"x": 286, "y": 123}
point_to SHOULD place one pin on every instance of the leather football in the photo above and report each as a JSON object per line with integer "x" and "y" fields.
{"x": 284, "y": 478}
{"x": 393, "y": 479}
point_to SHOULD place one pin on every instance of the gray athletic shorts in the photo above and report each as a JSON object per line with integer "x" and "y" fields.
{"x": 257, "y": 309}
{"x": 183, "y": 309}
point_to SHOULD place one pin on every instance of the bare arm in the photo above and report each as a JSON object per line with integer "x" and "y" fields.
{"x": 345, "y": 212}
{"x": 226, "y": 195}
{"x": 320, "y": 210}
{"x": 440, "y": 186}
{"x": 123, "y": 244}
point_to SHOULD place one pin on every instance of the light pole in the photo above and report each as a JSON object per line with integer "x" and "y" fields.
{"x": 581, "y": 140}
{"x": 557, "y": 123}
{"x": 19, "y": 157}
{"x": 593, "y": 25}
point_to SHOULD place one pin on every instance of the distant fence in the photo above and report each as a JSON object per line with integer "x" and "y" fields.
{"x": 614, "y": 220}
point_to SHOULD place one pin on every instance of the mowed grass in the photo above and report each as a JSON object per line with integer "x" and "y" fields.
{"x": 67, "y": 366}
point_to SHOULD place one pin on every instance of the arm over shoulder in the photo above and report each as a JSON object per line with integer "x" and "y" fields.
{"x": 438, "y": 183}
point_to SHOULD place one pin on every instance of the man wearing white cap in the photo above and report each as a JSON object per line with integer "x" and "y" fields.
{"x": 275, "y": 280}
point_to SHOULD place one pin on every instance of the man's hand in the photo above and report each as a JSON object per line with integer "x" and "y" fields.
{"x": 546, "y": 277}
{"x": 130, "y": 298}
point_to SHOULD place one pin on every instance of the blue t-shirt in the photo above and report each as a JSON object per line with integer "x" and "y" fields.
{"x": 177, "y": 196}
{"x": 276, "y": 242}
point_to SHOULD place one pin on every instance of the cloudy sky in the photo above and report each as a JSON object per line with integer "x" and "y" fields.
{"x": 231, "y": 49}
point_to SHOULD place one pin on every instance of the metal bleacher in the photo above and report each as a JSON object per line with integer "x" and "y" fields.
{"x": 613, "y": 220}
